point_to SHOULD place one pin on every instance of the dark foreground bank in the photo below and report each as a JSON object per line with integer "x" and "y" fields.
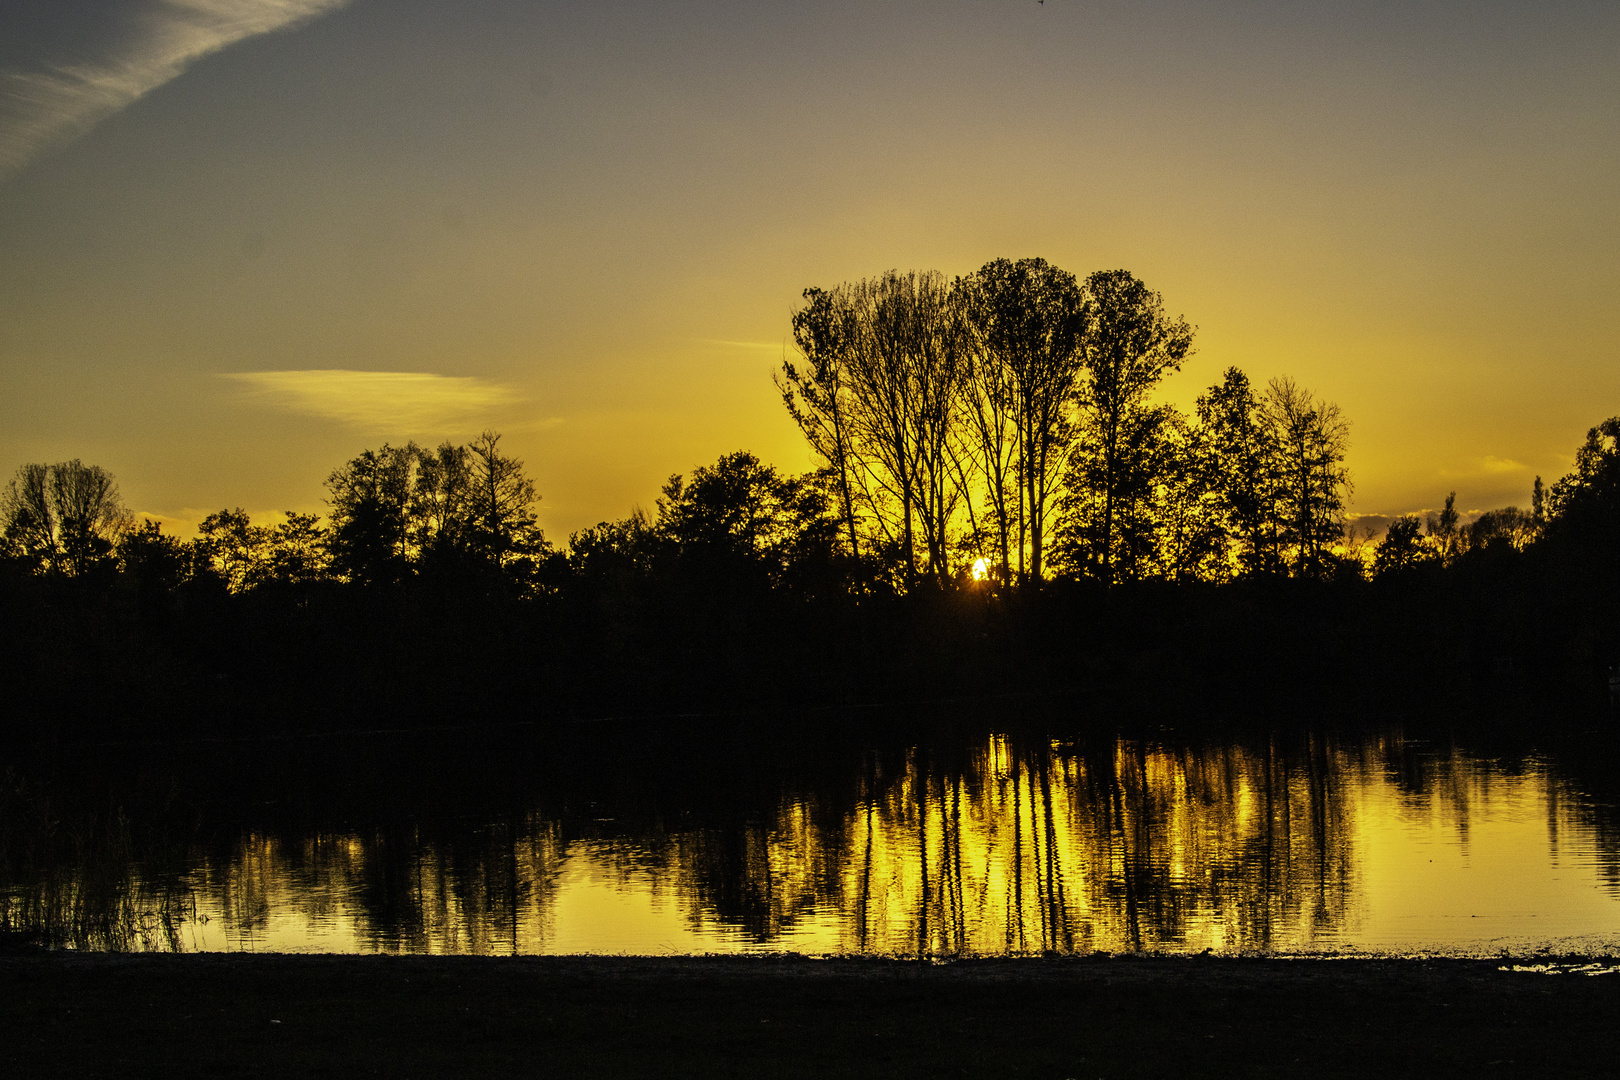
{"x": 283, "y": 1016}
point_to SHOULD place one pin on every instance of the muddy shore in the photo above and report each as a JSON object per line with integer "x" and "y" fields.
{"x": 265, "y": 1015}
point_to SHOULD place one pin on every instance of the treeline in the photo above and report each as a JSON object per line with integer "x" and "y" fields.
{"x": 1005, "y": 420}
{"x": 1002, "y": 507}
{"x": 428, "y": 592}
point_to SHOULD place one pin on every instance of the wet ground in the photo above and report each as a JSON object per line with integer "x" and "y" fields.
{"x": 250, "y": 1016}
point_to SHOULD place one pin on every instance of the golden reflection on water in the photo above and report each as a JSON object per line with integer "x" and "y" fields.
{"x": 351, "y": 894}
{"x": 1133, "y": 846}
{"x": 1140, "y": 849}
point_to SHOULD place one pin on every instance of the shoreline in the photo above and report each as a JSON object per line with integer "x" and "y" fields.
{"x": 238, "y": 1014}
{"x": 792, "y": 964}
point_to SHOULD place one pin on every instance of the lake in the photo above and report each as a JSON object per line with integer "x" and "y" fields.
{"x": 861, "y": 837}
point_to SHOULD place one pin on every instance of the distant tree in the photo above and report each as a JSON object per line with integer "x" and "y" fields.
{"x": 1585, "y": 504}
{"x": 1312, "y": 438}
{"x": 1192, "y": 526}
{"x": 370, "y": 496}
{"x": 984, "y": 450}
{"x": 816, "y": 394}
{"x": 1130, "y": 344}
{"x": 1108, "y": 523}
{"x": 246, "y": 556}
{"x": 813, "y": 547}
{"x": 1402, "y": 547}
{"x": 1358, "y": 547}
{"x": 739, "y": 528}
{"x": 736, "y": 507}
{"x": 500, "y": 508}
{"x": 882, "y": 408}
{"x": 441, "y": 500}
{"x": 154, "y": 560}
{"x": 454, "y": 507}
{"x": 613, "y": 552}
{"x": 233, "y": 547}
{"x": 1445, "y": 531}
{"x": 1029, "y": 322}
{"x": 742, "y": 511}
{"x": 1245, "y": 470}
{"x": 1509, "y": 526}
{"x": 911, "y": 367}
{"x": 30, "y": 530}
{"x": 298, "y": 551}
{"x": 63, "y": 518}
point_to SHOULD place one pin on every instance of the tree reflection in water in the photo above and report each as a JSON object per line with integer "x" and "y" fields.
{"x": 1007, "y": 847}
{"x": 1047, "y": 850}
{"x": 488, "y": 894}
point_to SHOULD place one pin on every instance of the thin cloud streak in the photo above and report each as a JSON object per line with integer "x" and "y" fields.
{"x": 772, "y": 346}
{"x": 391, "y": 403}
{"x": 1488, "y": 466}
{"x": 43, "y": 109}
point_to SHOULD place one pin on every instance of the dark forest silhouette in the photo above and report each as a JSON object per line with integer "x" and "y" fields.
{"x": 1002, "y": 508}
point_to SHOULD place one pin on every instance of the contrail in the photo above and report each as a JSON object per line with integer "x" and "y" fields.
{"x": 45, "y": 108}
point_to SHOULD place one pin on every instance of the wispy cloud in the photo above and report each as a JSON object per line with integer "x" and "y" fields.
{"x": 393, "y": 403}
{"x": 43, "y": 108}
{"x": 1496, "y": 465}
{"x": 762, "y": 346}
{"x": 1488, "y": 466}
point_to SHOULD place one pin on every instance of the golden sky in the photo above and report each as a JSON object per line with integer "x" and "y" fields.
{"x": 242, "y": 240}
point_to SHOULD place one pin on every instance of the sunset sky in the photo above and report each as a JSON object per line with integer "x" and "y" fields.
{"x": 242, "y": 240}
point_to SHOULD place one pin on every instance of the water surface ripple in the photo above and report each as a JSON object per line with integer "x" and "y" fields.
{"x": 1309, "y": 843}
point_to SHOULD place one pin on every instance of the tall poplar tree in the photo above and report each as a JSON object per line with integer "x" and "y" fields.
{"x": 1130, "y": 344}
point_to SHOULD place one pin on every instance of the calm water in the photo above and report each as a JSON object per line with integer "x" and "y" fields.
{"x": 994, "y": 845}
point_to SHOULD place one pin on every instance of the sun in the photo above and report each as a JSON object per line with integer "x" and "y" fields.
{"x": 980, "y": 569}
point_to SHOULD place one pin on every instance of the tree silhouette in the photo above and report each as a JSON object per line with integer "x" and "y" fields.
{"x": 816, "y": 395}
{"x": 956, "y": 418}
{"x": 500, "y": 508}
{"x": 370, "y": 498}
{"x": 741, "y": 518}
{"x": 1585, "y": 504}
{"x": 1508, "y": 526}
{"x": 154, "y": 560}
{"x": 64, "y": 518}
{"x": 1030, "y": 320}
{"x": 440, "y": 501}
{"x": 1130, "y": 345}
{"x": 908, "y": 364}
{"x": 236, "y": 549}
{"x": 1445, "y": 531}
{"x": 1402, "y": 547}
{"x": 877, "y": 397}
{"x": 1108, "y": 516}
{"x": 1245, "y": 463}
{"x": 1193, "y": 541}
{"x": 1311, "y": 437}
{"x": 298, "y": 551}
